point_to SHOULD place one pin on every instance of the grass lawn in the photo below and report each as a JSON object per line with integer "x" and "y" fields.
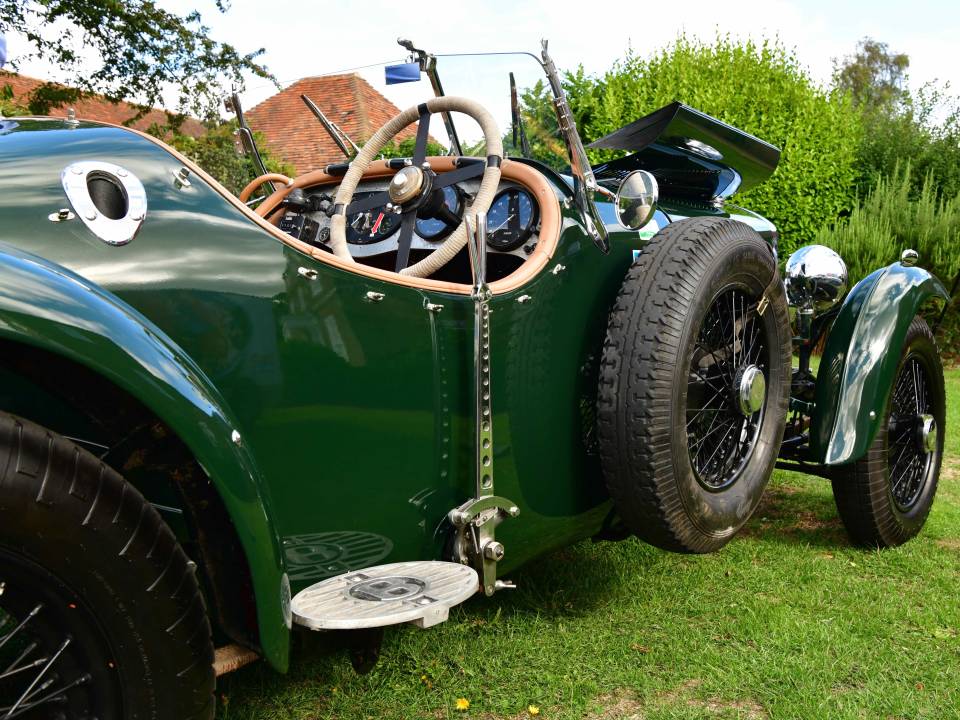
{"x": 788, "y": 621}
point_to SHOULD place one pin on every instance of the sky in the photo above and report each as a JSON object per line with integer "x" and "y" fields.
{"x": 309, "y": 38}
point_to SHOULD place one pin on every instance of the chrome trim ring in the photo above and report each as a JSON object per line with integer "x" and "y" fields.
{"x": 119, "y": 231}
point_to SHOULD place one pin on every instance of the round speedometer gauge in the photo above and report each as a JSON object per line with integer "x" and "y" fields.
{"x": 511, "y": 219}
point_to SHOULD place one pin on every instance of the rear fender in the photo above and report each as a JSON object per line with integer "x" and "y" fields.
{"x": 47, "y": 306}
{"x": 860, "y": 360}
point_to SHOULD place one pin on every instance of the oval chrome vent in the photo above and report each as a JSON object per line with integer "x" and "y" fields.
{"x": 108, "y": 198}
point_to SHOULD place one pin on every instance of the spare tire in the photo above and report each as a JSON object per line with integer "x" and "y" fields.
{"x": 694, "y": 384}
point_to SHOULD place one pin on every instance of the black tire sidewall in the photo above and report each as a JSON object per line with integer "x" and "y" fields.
{"x": 743, "y": 264}
{"x": 79, "y": 521}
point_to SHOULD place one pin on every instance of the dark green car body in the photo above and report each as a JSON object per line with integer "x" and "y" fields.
{"x": 337, "y": 432}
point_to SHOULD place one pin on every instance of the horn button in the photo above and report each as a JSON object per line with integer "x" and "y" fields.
{"x": 409, "y": 183}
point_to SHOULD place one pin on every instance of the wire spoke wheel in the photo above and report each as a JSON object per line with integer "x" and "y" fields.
{"x": 694, "y": 384}
{"x": 885, "y": 496}
{"x": 101, "y": 612}
{"x": 909, "y": 460}
{"x": 54, "y": 662}
{"x": 725, "y": 389}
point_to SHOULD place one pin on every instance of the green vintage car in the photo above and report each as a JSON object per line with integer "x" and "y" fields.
{"x": 366, "y": 394}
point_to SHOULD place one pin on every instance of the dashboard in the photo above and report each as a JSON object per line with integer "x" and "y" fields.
{"x": 513, "y": 221}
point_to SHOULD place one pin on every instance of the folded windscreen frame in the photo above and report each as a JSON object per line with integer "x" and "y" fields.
{"x": 692, "y": 155}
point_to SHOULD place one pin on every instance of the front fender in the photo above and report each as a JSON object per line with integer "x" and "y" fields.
{"x": 860, "y": 360}
{"x": 47, "y": 306}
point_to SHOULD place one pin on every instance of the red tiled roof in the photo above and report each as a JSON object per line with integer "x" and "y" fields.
{"x": 292, "y": 132}
{"x": 99, "y": 108}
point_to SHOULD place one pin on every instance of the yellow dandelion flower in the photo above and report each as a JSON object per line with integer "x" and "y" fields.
{"x": 463, "y": 704}
{"x": 533, "y": 709}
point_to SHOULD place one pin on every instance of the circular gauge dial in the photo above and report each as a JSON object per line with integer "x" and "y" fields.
{"x": 511, "y": 219}
{"x": 441, "y": 215}
{"x": 371, "y": 226}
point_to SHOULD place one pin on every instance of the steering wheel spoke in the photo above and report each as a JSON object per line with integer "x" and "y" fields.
{"x": 370, "y": 202}
{"x": 423, "y": 130}
{"x": 406, "y": 239}
{"x": 467, "y": 172}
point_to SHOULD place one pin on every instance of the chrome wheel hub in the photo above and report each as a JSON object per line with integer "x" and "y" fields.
{"x": 406, "y": 184}
{"x": 751, "y": 390}
{"x": 928, "y": 433}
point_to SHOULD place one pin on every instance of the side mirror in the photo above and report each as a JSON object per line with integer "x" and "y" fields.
{"x": 636, "y": 199}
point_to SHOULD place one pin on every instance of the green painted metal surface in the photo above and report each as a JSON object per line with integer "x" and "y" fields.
{"x": 46, "y": 306}
{"x": 860, "y": 359}
{"x": 356, "y": 417}
{"x": 357, "y": 414}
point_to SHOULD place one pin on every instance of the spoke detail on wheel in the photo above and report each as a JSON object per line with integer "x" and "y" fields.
{"x": 38, "y": 664}
{"x": 907, "y": 457}
{"x": 726, "y": 388}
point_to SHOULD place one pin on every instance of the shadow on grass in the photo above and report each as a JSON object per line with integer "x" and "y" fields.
{"x": 572, "y": 582}
{"x": 568, "y": 583}
{"x": 793, "y": 515}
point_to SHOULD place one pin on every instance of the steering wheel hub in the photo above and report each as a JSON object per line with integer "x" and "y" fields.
{"x": 406, "y": 184}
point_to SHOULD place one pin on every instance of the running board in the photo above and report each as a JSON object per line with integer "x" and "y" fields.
{"x": 419, "y": 592}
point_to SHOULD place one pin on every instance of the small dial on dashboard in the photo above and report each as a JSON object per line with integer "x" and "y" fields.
{"x": 511, "y": 219}
{"x": 371, "y": 226}
{"x": 441, "y": 215}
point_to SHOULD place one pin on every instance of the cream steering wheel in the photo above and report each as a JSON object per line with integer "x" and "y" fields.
{"x": 413, "y": 184}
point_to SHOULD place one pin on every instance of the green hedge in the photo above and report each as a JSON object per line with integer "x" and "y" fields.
{"x": 217, "y": 152}
{"x": 761, "y": 88}
{"x": 890, "y": 220}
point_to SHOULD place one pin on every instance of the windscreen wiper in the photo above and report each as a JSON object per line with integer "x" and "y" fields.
{"x": 518, "y": 120}
{"x": 232, "y": 104}
{"x": 333, "y": 130}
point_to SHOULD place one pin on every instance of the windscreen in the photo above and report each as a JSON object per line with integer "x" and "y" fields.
{"x": 358, "y": 101}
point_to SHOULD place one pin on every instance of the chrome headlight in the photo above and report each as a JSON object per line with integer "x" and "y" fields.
{"x": 816, "y": 276}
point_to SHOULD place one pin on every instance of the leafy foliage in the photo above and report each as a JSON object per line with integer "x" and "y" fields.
{"x": 9, "y": 106}
{"x": 921, "y": 128}
{"x": 874, "y": 76}
{"x": 216, "y": 152}
{"x": 760, "y": 88}
{"x": 140, "y": 52}
{"x": 404, "y": 148}
{"x": 890, "y": 220}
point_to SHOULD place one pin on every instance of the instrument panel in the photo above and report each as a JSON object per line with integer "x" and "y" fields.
{"x": 512, "y": 221}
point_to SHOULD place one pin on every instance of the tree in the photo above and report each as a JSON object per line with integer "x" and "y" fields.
{"x": 216, "y": 152}
{"x": 874, "y": 76}
{"x": 139, "y": 54}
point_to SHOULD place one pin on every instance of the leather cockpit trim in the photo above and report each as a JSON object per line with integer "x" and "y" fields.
{"x": 549, "y": 234}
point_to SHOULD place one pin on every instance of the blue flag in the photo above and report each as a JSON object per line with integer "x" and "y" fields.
{"x": 408, "y": 72}
{"x": 3, "y": 50}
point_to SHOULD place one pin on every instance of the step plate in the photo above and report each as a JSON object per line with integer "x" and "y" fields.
{"x": 419, "y": 592}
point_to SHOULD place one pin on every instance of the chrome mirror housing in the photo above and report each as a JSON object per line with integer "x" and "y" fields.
{"x": 815, "y": 278}
{"x": 636, "y": 199}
